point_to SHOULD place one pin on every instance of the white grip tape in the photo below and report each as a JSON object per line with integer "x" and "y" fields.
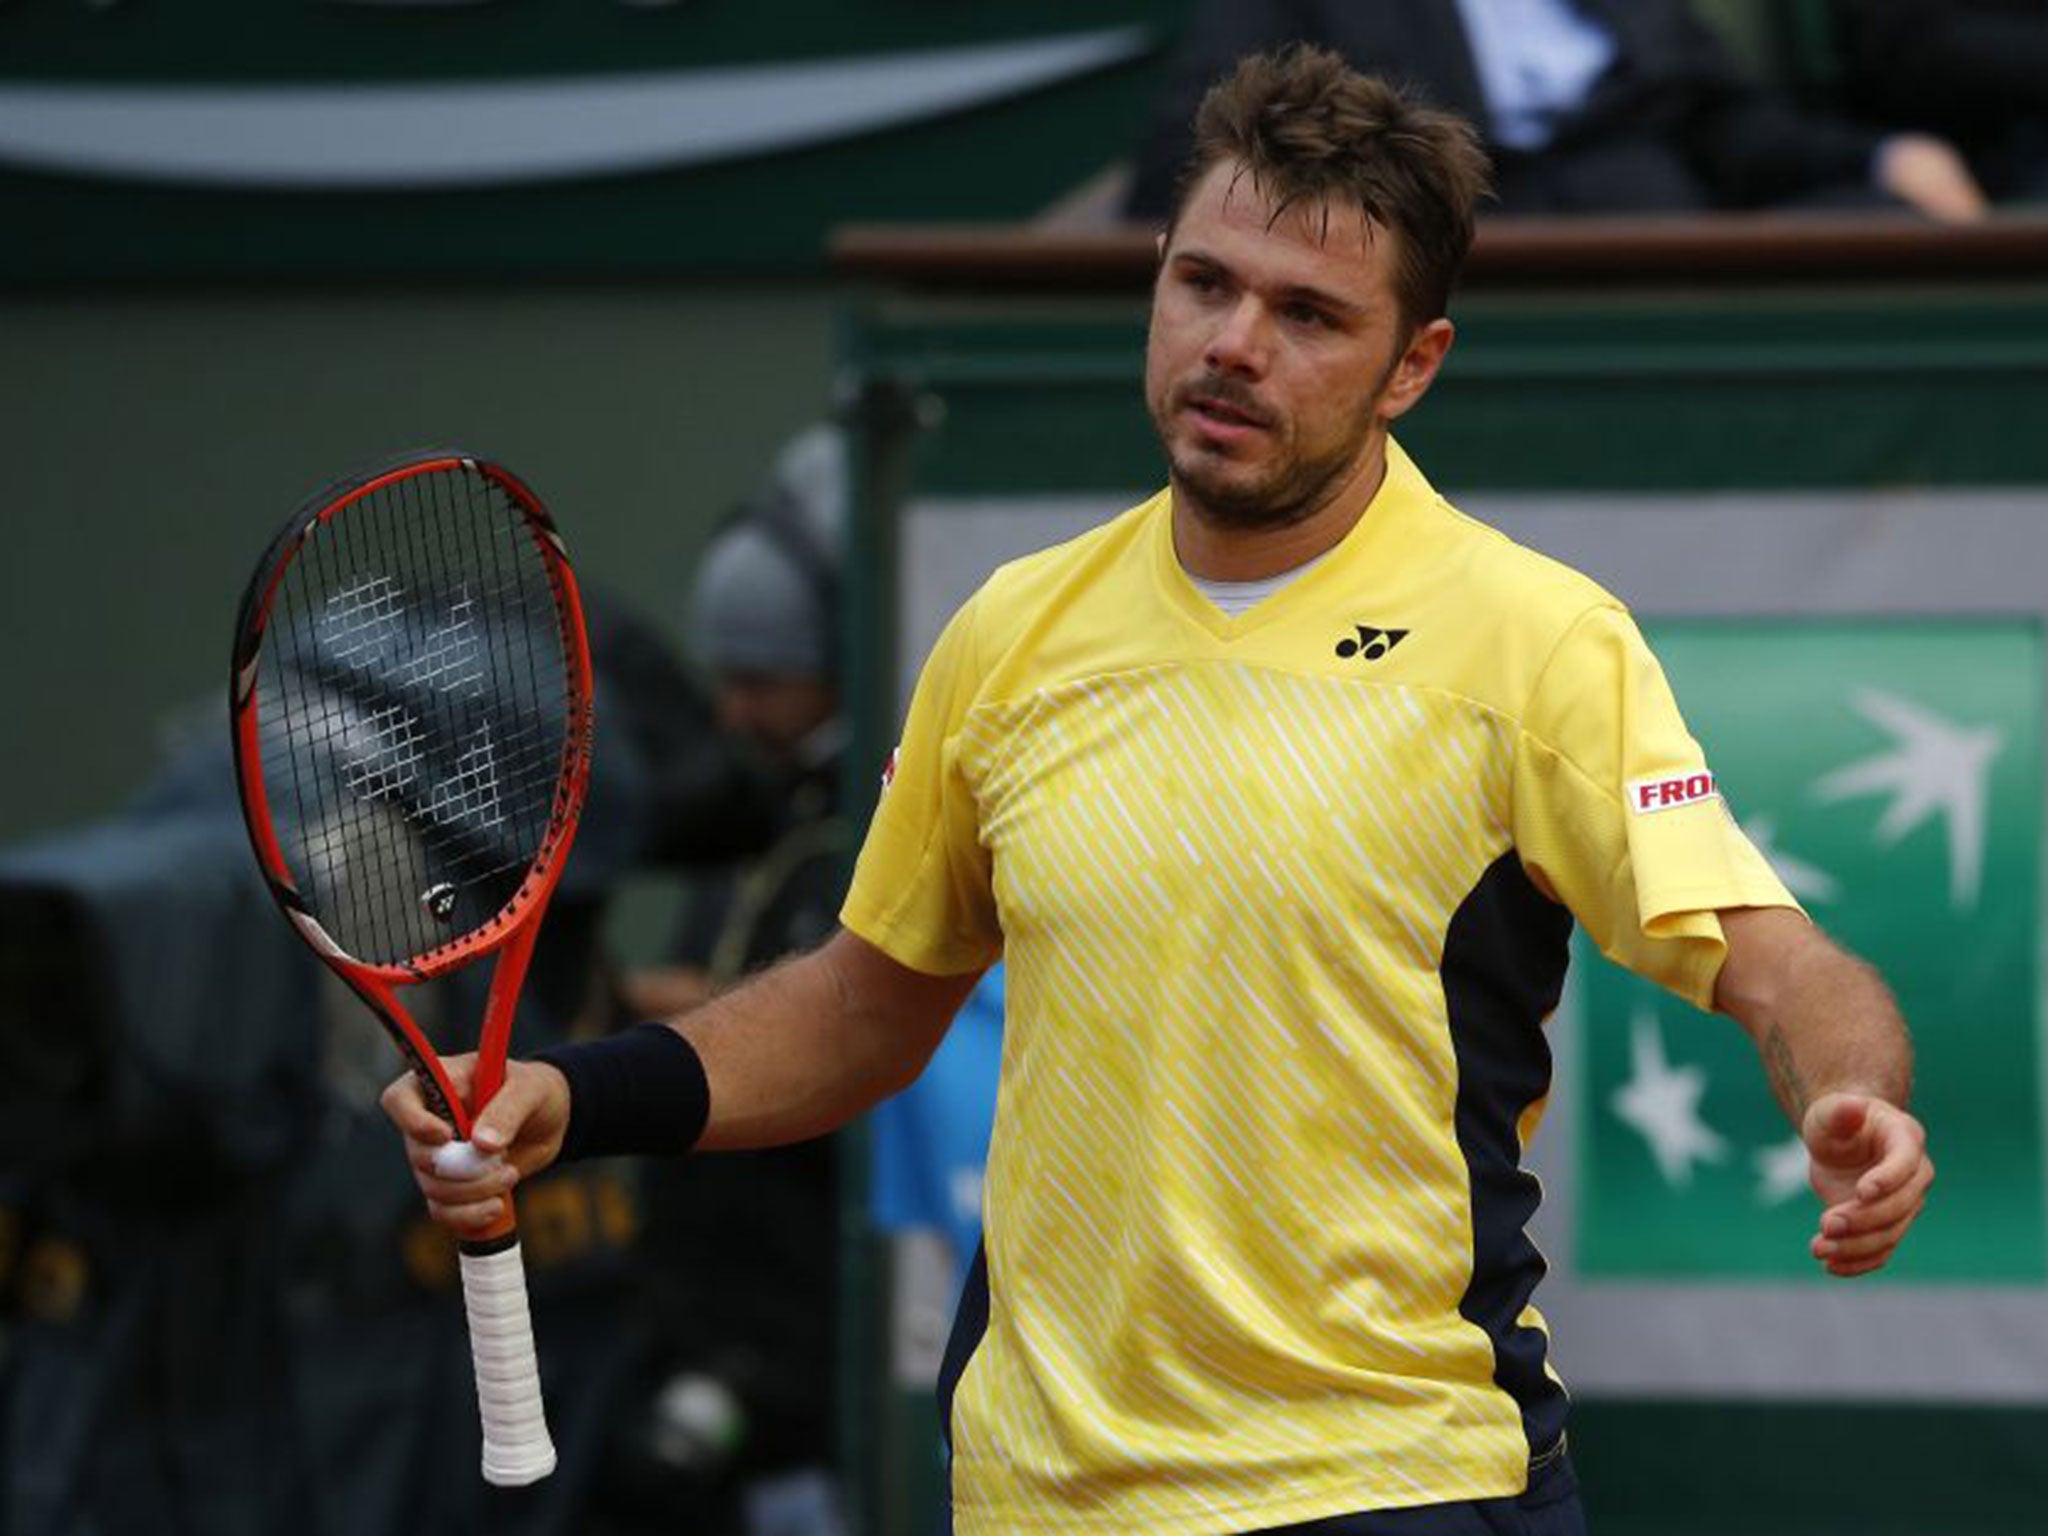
{"x": 517, "y": 1450}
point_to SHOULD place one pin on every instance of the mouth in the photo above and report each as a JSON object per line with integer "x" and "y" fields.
{"x": 1223, "y": 419}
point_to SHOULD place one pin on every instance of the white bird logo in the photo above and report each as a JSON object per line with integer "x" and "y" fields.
{"x": 1936, "y": 768}
{"x": 1661, "y": 1103}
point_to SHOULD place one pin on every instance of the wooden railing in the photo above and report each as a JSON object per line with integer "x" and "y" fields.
{"x": 1587, "y": 252}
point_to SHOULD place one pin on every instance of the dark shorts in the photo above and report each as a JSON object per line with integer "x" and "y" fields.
{"x": 1548, "y": 1507}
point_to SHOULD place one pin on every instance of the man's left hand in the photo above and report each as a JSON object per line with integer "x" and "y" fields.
{"x": 1871, "y": 1170}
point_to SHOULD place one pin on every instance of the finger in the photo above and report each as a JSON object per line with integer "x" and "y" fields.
{"x": 1846, "y": 1117}
{"x": 466, "y": 1218}
{"x": 1849, "y": 1270}
{"x": 1900, "y": 1157}
{"x": 1865, "y": 1245}
{"x": 1879, "y": 1154}
{"x": 528, "y": 1089}
{"x": 455, "y": 1193}
{"x": 1855, "y": 1216}
{"x": 406, "y": 1107}
{"x": 1835, "y": 1128}
{"x": 1895, "y": 1170}
{"x": 404, "y": 1100}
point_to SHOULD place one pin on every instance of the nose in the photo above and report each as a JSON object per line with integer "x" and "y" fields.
{"x": 1240, "y": 341}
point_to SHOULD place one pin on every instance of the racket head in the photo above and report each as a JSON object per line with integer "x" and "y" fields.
{"x": 412, "y": 715}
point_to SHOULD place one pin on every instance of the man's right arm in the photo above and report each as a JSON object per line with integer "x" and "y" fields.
{"x": 793, "y": 1053}
{"x": 811, "y": 1043}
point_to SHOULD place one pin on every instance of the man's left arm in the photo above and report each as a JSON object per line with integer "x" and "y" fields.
{"x": 1840, "y": 1063}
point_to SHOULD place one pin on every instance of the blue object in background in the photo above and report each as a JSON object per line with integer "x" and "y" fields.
{"x": 931, "y": 1140}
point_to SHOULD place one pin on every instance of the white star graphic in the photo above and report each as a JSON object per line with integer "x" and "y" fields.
{"x": 1809, "y": 882}
{"x": 1938, "y": 767}
{"x": 1780, "y": 1171}
{"x": 1661, "y": 1103}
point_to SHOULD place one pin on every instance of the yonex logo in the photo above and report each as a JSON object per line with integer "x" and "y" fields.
{"x": 1670, "y": 791}
{"x": 1370, "y": 643}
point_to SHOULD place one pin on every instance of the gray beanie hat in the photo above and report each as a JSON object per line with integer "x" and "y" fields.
{"x": 762, "y": 597}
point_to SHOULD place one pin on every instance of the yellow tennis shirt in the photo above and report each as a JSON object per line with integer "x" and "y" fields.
{"x": 1276, "y": 898}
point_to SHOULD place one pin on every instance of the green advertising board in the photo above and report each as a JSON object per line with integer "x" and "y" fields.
{"x": 1891, "y": 770}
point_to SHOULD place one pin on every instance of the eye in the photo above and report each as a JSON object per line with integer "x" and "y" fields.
{"x": 1302, "y": 313}
{"x": 1201, "y": 280}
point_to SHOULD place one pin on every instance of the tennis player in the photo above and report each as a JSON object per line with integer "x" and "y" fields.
{"x": 1280, "y": 793}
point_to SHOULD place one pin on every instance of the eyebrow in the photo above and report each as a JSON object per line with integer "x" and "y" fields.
{"x": 1292, "y": 293}
{"x": 1323, "y": 300}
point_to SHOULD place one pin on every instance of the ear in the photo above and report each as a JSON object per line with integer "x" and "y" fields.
{"x": 1415, "y": 370}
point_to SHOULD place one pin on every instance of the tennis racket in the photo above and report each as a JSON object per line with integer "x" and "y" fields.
{"x": 412, "y": 731}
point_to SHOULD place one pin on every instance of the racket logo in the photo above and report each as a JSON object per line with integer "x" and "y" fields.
{"x": 439, "y": 901}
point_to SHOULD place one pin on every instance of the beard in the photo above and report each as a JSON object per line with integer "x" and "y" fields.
{"x": 1229, "y": 493}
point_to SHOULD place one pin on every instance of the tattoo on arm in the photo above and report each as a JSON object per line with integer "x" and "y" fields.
{"x": 1786, "y": 1082}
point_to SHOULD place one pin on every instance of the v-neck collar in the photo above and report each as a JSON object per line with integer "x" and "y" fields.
{"x": 1371, "y": 542}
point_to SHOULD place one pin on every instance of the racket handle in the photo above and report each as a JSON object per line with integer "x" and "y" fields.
{"x": 517, "y": 1450}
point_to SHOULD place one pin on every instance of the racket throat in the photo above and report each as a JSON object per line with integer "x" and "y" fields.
{"x": 507, "y": 978}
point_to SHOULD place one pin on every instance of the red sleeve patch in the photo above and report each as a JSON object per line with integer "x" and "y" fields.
{"x": 1646, "y": 796}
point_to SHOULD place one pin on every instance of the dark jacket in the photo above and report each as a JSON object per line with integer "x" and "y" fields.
{"x": 1975, "y": 71}
{"x": 1673, "y": 125}
{"x": 743, "y": 1251}
{"x": 1947, "y": 63}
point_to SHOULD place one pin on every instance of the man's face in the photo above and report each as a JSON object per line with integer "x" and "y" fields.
{"x": 776, "y": 711}
{"x": 1277, "y": 352}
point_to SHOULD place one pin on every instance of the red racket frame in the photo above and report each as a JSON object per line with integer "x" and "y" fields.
{"x": 511, "y": 931}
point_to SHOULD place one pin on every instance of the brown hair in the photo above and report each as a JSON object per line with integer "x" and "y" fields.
{"x": 1310, "y": 129}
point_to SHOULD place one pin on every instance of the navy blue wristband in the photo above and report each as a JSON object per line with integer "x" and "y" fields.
{"x": 639, "y": 1091}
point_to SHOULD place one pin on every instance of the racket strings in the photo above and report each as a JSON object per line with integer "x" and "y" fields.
{"x": 417, "y": 720}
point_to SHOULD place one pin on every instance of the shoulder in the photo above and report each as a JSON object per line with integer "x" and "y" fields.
{"x": 1505, "y": 623}
{"x": 1030, "y": 580}
{"x": 1025, "y": 596}
{"x": 1537, "y": 598}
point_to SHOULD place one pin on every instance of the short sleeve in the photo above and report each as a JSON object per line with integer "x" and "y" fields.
{"x": 1617, "y": 813}
{"x": 921, "y": 888}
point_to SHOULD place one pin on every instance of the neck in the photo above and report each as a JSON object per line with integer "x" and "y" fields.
{"x": 1216, "y": 549}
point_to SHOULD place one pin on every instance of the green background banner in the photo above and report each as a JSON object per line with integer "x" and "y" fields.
{"x": 1892, "y": 770}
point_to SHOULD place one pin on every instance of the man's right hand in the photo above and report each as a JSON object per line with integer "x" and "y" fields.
{"x": 518, "y": 1134}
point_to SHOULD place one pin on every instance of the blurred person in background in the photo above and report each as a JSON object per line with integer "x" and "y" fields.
{"x": 740, "y": 1254}
{"x": 1973, "y": 70}
{"x": 1585, "y": 106}
{"x": 763, "y": 619}
{"x": 221, "y": 1304}
{"x": 765, "y": 623}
